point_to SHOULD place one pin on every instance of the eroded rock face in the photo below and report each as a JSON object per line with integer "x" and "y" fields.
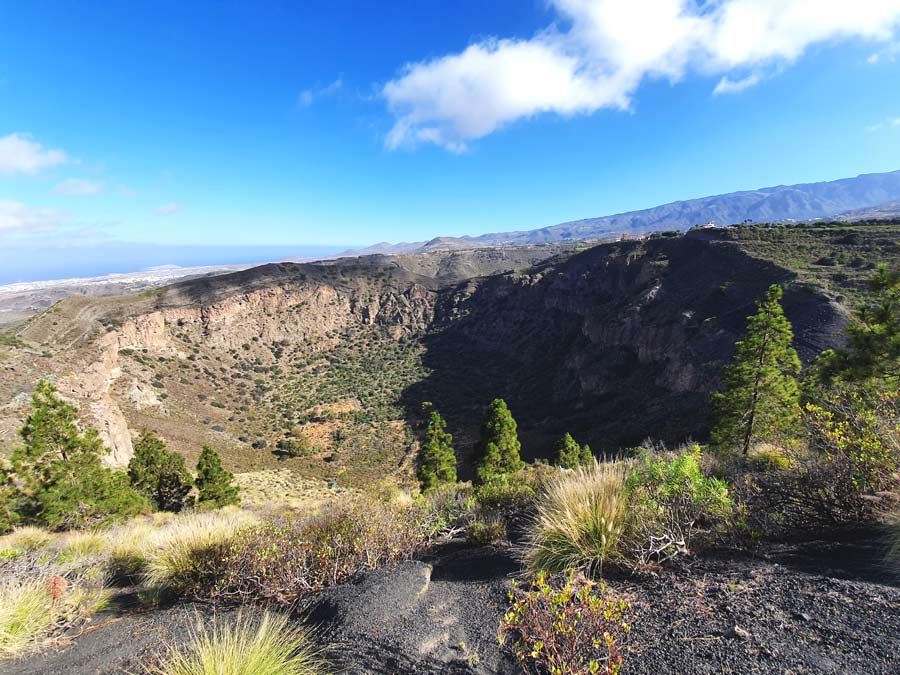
{"x": 289, "y": 314}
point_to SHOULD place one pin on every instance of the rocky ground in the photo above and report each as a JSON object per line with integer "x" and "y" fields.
{"x": 820, "y": 607}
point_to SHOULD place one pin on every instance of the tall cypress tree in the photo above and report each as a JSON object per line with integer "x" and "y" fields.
{"x": 499, "y": 444}
{"x": 760, "y": 398}
{"x": 215, "y": 484}
{"x": 159, "y": 473}
{"x": 438, "y": 459}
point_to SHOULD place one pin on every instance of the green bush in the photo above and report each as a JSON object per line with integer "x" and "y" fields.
{"x": 486, "y": 532}
{"x": 566, "y": 625}
{"x": 670, "y": 501}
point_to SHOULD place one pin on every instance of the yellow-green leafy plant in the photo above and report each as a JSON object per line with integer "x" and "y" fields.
{"x": 670, "y": 500}
{"x": 566, "y": 625}
{"x": 264, "y": 645}
{"x": 579, "y": 520}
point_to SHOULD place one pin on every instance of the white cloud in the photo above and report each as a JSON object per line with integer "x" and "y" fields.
{"x": 602, "y": 53}
{"x": 167, "y": 209}
{"x": 126, "y": 191}
{"x": 78, "y": 187}
{"x": 308, "y": 96}
{"x": 20, "y": 154}
{"x": 890, "y": 122}
{"x": 728, "y": 86}
{"x": 16, "y": 216}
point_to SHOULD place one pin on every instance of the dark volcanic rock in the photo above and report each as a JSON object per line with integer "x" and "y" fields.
{"x": 439, "y": 616}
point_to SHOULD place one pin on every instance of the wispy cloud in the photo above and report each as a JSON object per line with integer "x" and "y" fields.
{"x": 126, "y": 191}
{"x": 309, "y": 96}
{"x": 887, "y": 55}
{"x": 167, "y": 209}
{"x": 604, "y": 51}
{"x": 78, "y": 187}
{"x": 728, "y": 86}
{"x": 20, "y": 154}
{"x": 16, "y": 216}
{"x": 884, "y": 124}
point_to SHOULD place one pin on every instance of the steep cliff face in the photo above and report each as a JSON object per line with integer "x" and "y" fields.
{"x": 622, "y": 342}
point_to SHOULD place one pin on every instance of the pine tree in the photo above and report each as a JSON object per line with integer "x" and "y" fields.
{"x": 159, "y": 473}
{"x": 873, "y": 345}
{"x": 438, "y": 459}
{"x": 760, "y": 400}
{"x": 215, "y": 484}
{"x": 569, "y": 454}
{"x": 499, "y": 445}
{"x": 58, "y": 478}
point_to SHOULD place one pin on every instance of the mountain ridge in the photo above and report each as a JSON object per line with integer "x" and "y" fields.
{"x": 863, "y": 193}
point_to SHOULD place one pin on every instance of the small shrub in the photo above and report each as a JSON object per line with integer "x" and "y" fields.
{"x": 267, "y": 645}
{"x": 188, "y": 554}
{"x": 669, "y": 500}
{"x": 284, "y": 559}
{"x": 486, "y": 532}
{"x": 504, "y": 496}
{"x": 566, "y": 625}
{"x": 579, "y": 521}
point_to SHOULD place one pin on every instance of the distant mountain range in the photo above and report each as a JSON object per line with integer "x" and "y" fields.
{"x": 869, "y": 195}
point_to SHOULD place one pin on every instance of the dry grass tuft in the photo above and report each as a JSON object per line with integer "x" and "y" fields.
{"x": 580, "y": 519}
{"x": 266, "y": 645}
{"x": 179, "y": 556}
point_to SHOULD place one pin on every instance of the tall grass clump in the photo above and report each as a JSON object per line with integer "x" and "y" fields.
{"x": 579, "y": 520}
{"x": 266, "y": 645}
{"x": 24, "y": 615}
{"x": 26, "y": 538}
{"x": 32, "y": 610}
{"x": 187, "y": 552}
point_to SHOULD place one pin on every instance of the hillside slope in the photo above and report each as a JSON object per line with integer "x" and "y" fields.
{"x": 614, "y": 343}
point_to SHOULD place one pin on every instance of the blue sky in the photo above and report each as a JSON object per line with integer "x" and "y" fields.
{"x": 284, "y": 124}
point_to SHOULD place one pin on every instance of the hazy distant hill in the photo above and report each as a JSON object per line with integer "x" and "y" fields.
{"x": 888, "y": 210}
{"x": 784, "y": 202}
